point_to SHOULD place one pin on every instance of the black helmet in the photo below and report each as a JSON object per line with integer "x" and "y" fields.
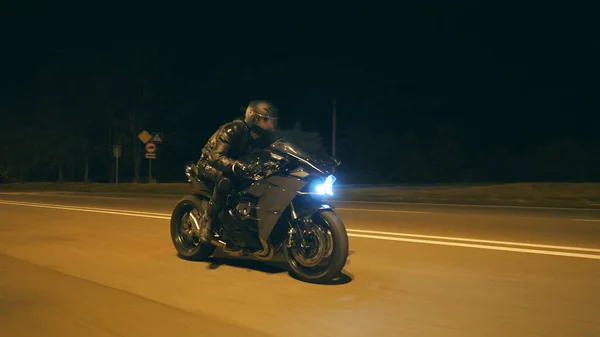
{"x": 261, "y": 110}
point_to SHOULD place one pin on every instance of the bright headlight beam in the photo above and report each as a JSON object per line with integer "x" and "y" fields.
{"x": 326, "y": 188}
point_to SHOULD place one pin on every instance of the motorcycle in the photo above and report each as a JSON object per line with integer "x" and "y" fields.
{"x": 277, "y": 209}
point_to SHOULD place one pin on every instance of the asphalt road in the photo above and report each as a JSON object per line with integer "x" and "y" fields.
{"x": 105, "y": 266}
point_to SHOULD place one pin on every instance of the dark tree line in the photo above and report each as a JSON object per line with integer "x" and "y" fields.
{"x": 80, "y": 149}
{"x": 81, "y": 109}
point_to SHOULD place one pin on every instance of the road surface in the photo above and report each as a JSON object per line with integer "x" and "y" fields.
{"x": 74, "y": 265}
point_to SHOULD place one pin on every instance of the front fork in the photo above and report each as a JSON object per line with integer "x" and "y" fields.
{"x": 296, "y": 232}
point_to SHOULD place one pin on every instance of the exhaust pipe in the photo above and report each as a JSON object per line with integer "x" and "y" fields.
{"x": 223, "y": 245}
{"x": 266, "y": 253}
{"x": 217, "y": 243}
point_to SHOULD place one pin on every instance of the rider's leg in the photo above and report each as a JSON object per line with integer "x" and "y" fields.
{"x": 216, "y": 203}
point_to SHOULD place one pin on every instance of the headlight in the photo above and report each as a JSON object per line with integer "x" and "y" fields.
{"x": 326, "y": 188}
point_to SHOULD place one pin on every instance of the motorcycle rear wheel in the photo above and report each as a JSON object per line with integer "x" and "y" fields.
{"x": 185, "y": 215}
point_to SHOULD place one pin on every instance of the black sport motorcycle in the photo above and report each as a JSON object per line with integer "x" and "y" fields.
{"x": 277, "y": 209}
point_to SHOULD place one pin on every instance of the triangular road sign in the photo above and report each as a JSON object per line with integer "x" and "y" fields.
{"x": 157, "y": 138}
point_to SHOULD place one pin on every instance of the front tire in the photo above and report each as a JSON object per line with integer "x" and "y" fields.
{"x": 185, "y": 215}
{"x": 324, "y": 264}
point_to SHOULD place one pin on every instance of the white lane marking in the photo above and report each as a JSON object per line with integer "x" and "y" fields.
{"x": 89, "y": 197}
{"x": 588, "y": 220}
{"x": 465, "y": 205}
{"x": 59, "y": 194}
{"x": 92, "y": 210}
{"x": 49, "y": 194}
{"x": 380, "y": 210}
{"x": 422, "y": 212}
{"x": 509, "y": 243}
{"x": 468, "y": 245}
{"x": 351, "y": 234}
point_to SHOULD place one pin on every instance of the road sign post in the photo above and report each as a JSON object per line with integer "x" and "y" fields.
{"x": 149, "y": 170}
{"x": 150, "y": 147}
{"x": 150, "y": 154}
{"x": 150, "y": 157}
{"x": 150, "y": 140}
{"x": 117, "y": 154}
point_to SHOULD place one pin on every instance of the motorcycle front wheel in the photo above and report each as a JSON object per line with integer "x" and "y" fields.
{"x": 322, "y": 252}
{"x": 184, "y": 218}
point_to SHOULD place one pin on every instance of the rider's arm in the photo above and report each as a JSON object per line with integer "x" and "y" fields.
{"x": 223, "y": 142}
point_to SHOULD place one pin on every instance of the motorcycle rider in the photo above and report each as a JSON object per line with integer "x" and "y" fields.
{"x": 217, "y": 163}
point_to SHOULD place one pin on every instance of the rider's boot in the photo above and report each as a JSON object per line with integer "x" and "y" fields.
{"x": 206, "y": 222}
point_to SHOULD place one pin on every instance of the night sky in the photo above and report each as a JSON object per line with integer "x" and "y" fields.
{"x": 499, "y": 75}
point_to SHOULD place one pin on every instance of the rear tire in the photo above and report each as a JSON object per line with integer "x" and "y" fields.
{"x": 337, "y": 255}
{"x": 186, "y": 243}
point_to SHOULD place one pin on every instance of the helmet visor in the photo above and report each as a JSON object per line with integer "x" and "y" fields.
{"x": 267, "y": 123}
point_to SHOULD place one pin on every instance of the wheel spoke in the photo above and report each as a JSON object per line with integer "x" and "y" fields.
{"x": 186, "y": 231}
{"x": 315, "y": 247}
{"x": 326, "y": 251}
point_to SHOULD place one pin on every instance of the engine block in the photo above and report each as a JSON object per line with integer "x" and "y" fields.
{"x": 245, "y": 210}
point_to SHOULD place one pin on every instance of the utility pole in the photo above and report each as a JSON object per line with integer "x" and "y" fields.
{"x": 117, "y": 154}
{"x": 333, "y": 128}
{"x": 117, "y": 172}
